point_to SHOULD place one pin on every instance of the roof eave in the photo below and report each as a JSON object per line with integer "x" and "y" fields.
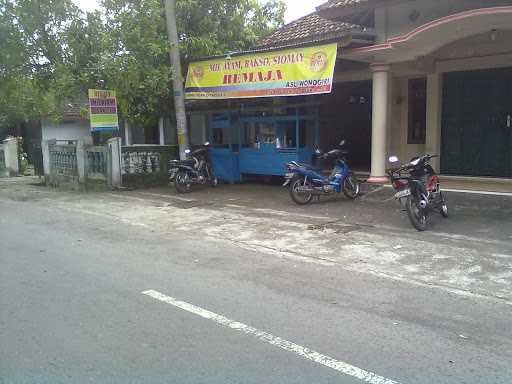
{"x": 340, "y": 38}
{"x": 345, "y": 12}
{"x": 368, "y": 37}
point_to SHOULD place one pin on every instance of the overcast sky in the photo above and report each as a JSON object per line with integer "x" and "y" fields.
{"x": 295, "y": 8}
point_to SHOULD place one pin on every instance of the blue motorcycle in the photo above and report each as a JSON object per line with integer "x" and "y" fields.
{"x": 306, "y": 181}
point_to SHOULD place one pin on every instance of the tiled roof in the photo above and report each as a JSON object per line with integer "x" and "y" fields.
{"x": 72, "y": 111}
{"x": 308, "y": 29}
{"x": 341, "y": 3}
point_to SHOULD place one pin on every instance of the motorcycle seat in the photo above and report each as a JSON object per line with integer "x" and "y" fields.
{"x": 309, "y": 166}
{"x": 187, "y": 163}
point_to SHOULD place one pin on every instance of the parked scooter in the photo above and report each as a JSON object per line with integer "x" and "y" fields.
{"x": 306, "y": 181}
{"x": 418, "y": 189}
{"x": 196, "y": 169}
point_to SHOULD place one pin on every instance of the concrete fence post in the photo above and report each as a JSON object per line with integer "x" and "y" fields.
{"x": 3, "y": 170}
{"x": 45, "y": 148}
{"x": 161, "y": 133}
{"x": 81, "y": 161}
{"x": 12, "y": 160}
{"x": 127, "y": 133}
{"x": 114, "y": 163}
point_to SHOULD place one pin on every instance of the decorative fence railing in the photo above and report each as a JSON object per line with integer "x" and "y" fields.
{"x": 96, "y": 162}
{"x": 146, "y": 164}
{"x": 80, "y": 165}
{"x": 88, "y": 166}
{"x": 63, "y": 163}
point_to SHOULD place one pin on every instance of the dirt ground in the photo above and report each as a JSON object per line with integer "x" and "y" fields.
{"x": 469, "y": 253}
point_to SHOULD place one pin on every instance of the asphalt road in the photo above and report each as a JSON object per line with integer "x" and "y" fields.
{"x": 72, "y": 310}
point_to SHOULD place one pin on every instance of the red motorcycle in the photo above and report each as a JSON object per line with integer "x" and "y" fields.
{"x": 418, "y": 190}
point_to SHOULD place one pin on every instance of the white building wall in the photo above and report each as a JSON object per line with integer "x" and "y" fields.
{"x": 400, "y": 123}
{"x": 403, "y": 17}
{"x": 68, "y": 131}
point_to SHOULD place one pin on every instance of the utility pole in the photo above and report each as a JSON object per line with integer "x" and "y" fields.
{"x": 177, "y": 82}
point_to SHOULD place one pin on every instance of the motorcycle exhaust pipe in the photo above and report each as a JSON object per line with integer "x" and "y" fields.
{"x": 423, "y": 204}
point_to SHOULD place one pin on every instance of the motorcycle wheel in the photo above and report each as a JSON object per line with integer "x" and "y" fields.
{"x": 444, "y": 208}
{"x": 351, "y": 187}
{"x": 181, "y": 182}
{"x": 211, "y": 177}
{"x": 297, "y": 197}
{"x": 417, "y": 215}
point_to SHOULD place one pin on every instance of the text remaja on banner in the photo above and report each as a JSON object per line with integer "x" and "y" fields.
{"x": 297, "y": 71}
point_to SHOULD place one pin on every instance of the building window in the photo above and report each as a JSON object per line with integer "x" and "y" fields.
{"x": 417, "y": 111}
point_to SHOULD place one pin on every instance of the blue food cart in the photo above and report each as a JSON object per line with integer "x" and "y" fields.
{"x": 261, "y": 141}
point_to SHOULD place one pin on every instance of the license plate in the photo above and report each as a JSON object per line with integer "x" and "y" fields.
{"x": 289, "y": 175}
{"x": 403, "y": 193}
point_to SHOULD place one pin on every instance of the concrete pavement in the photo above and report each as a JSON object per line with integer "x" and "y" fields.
{"x": 469, "y": 253}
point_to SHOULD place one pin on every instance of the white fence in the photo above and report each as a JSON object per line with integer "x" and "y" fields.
{"x": 79, "y": 164}
{"x": 147, "y": 165}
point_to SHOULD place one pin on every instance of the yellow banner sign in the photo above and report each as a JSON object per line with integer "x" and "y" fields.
{"x": 290, "y": 72}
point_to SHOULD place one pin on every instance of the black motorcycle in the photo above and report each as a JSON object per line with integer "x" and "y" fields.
{"x": 418, "y": 189}
{"x": 196, "y": 169}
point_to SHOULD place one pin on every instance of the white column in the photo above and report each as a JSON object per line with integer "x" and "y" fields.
{"x": 114, "y": 166}
{"x": 434, "y": 99}
{"x": 161, "y": 134}
{"x": 81, "y": 161}
{"x": 379, "y": 122}
{"x": 45, "y": 147}
{"x": 127, "y": 133}
{"x": 12, "y": 161}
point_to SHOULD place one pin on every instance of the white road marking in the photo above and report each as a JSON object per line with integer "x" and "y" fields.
{"x": 502, "y": 255}
{"x": 340, "y": 366}
{"x": 477, "y": 192}
{"x": 470, "y": 191}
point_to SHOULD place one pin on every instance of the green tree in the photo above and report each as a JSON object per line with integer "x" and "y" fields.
{"x": 215, "y": 27}
{"x": 138, "y": 59}
{"x": 35, "y": 76}
{"x": 52, "y": 52}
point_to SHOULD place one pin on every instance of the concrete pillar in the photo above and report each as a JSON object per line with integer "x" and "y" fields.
{"x": 434, "y": 106}
{"x": 114, "y": 164}
{"x": 45, "y": 148}
{"x": 127, "y": 133}
{"x": 12, "y": 160}
{"x": 380, "y": 121}
{"x": 81, "y": 161}
{"x": 172, "y": 132}
{"x": 161, "y": 134}
{"x": 3, "y": 171}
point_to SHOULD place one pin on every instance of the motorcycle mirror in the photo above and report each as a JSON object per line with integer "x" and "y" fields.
{"x": 393, "y": 159}
{"x": 342, "y": 143}
{"x": 187, "y": 151}
{"x": 207, "y": 143}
